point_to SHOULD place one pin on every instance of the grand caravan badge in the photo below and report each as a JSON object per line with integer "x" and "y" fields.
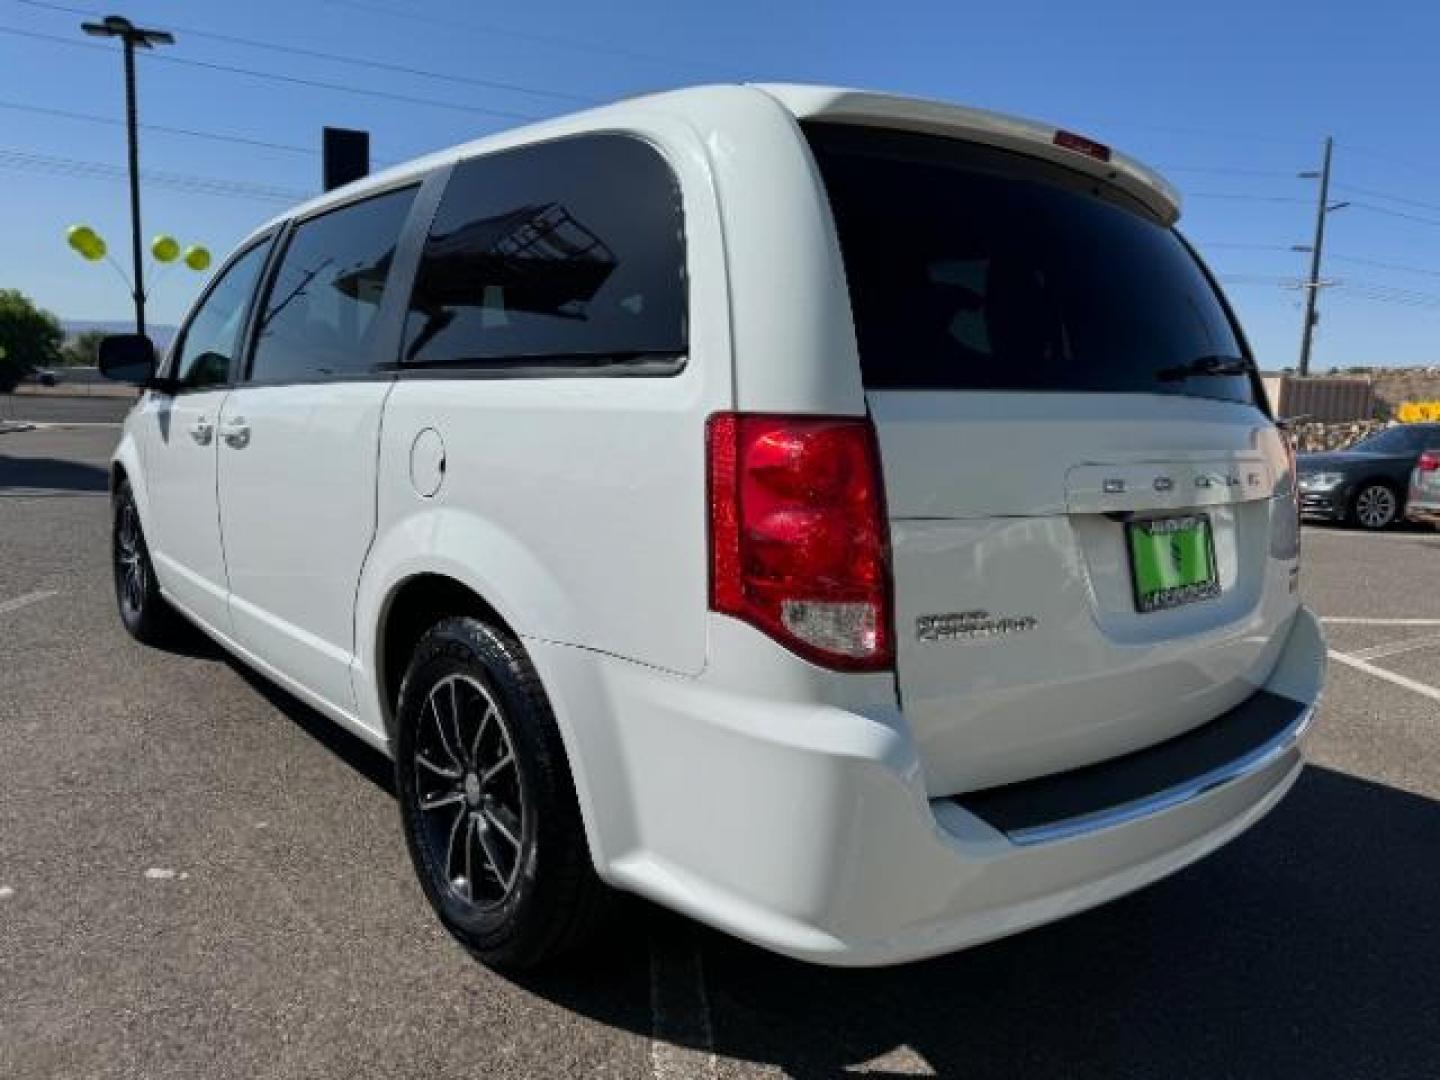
{"x": 971, "y": 625}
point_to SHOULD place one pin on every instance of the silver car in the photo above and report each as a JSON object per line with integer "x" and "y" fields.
{"x": 1423, "y": 503}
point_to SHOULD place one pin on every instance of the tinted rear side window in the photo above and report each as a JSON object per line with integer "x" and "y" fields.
{"x": 556, "y": 252}
{"x": 320, "y": 312}
{"x": 976, "y": 269}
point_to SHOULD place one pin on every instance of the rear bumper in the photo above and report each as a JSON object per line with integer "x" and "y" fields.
{"x": 805, "y": 828}
{"x": 1423, "y": 509}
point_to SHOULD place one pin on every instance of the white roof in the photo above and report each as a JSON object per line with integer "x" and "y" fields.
{"x": 830, "y": 103}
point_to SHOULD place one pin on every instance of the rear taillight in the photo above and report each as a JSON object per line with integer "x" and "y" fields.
{"x": 1429, "y": 461}
{"x": 798, "y": 540}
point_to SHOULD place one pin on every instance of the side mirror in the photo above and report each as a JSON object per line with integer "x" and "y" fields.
{"x": 128, "y": 358}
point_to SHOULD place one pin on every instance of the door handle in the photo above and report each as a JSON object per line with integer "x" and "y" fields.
{"x": 236, "y": 433}
{"x": 202, "y": 431}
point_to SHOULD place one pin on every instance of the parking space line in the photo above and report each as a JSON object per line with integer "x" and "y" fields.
{"x": 7, "y": 606}
{"x": 1339, "y": 620}
{"x": 1415, "y": 686}
{"x": 682, "y": 1042}
{"x": 1395, "y": 648}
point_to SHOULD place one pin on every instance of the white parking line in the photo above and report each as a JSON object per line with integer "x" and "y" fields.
{"x": 1338, "y": 620}
{"x": 1395, "y": 648}
{"x": 50, "y": 425}
{"x": 7, "y": 606}
{"x": 682, "y": 1043}
{"x": 1413, "y": 685}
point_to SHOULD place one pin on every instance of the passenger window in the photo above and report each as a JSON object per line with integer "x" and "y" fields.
{"x": 212, "y": 339}
{"x": 566, "y": 251}
{"x": 318, "y": 318}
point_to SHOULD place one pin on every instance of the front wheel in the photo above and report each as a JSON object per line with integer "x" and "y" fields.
{"x": 486, "y": 798}
{"x": 146, "y": 615}
{"x": 1375, "y": 506}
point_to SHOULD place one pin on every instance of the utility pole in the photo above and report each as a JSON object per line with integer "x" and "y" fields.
{"x": 132, "y": 37}
{"x": 1313, "y": 284}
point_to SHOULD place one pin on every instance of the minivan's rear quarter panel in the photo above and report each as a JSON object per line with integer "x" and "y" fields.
{"x": 574, "y": 505}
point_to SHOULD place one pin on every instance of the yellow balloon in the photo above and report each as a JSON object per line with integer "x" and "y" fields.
{"x": 80, "y": 237}
{"x": 97, "y": 250}
{"x": 197, "y": 258}
{"x": 165, "y": 248}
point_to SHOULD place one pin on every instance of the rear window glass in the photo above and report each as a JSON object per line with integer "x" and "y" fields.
{"x": 977, "y": 269}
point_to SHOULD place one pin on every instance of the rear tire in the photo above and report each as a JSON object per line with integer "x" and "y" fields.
{"x": 1375, "y": 506}
{"x": 144, "y": 612}
{"x": 488, "y": 805}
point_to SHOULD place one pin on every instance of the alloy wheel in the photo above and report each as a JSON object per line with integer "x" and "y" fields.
{"x": 130, "y": 570}
{"x": 1375, "y": 506}
{"x": 470, "y": 794}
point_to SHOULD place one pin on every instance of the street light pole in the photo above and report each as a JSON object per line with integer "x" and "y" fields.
{"x": 132, "y": 37}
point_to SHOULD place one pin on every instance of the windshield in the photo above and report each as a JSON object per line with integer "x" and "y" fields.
{"x": 972, "y": 268}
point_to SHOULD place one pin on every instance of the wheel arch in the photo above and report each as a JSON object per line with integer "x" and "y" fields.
{"x": 417, "y": 601}
{"x": 413, "y": 605}
{"x": 125, "y": 466}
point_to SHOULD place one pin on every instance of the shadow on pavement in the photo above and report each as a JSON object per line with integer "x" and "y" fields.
{"x": 50, "y": 475}
{"x": 1309, "y": 948}
{"x": 359, "y": 755}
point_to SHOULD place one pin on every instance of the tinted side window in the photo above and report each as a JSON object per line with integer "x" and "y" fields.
{"x": 319, "y": 313}
{"x": 212, "y": 339}
{"x": 567, "y": 250}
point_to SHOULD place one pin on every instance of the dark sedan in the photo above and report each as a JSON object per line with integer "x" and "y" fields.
{"x": 1365, "y": 485}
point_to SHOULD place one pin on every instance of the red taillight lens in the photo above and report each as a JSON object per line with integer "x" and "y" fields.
{"x": 798, "y": 541}
{"x": 1429, "y": 461}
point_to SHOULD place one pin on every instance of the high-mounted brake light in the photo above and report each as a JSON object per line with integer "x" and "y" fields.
{"x": 798, "y": 540}
{"x": 1429, "y": 461}
{"x": 1081, "y": 145}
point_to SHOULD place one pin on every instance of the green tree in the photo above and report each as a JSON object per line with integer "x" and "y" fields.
{"x": 30, "y": 338}
{"x": 83, "y": 350}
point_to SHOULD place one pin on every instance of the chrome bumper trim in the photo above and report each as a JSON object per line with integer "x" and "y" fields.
{"x": 1246, "y": 765}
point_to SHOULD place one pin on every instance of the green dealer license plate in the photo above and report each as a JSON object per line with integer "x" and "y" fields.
{"x": 1172, "y": 561}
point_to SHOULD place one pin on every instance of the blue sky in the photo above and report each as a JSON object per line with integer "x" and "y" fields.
{"x": 1229, "y": 99}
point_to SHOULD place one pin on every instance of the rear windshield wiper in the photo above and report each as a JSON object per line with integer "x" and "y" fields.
{"x": 1218, "y": 364}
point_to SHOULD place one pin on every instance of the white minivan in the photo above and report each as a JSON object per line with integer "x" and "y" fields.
{"x": 852, "y": 521}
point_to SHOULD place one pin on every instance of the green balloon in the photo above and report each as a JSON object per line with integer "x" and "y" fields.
{"x": 165, "y": 248}
{"x": 197, "y": 258}
{"x": 96, "y": 251}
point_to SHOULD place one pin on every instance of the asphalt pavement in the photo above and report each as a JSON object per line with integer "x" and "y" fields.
{"x": 201, "y": 877}
{"x": 41, "y": 408}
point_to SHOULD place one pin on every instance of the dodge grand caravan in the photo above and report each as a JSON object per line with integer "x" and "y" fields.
{"x": 849, "y": 520}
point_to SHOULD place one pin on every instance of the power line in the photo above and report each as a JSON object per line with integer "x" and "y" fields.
{"x": 1226, "y": 170}
{"x": 524, "y": 35}
{"x": 1401, "y": 267}
{"x": 293, "y": 80}
{"x": 1386, "y": 156}
{"x": 317, "y": 54}
{"x": 1395, "y": 213}
{"x": 1257, "y": 279}
{"x": 1243, "y": 196}
{"x": 28, "y": 161}
{"x": 112, "y": 121}
{"x": 1380, "y": 287}
{"x": 1244, "y": 246}
{"x": 1393, "y": 198}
